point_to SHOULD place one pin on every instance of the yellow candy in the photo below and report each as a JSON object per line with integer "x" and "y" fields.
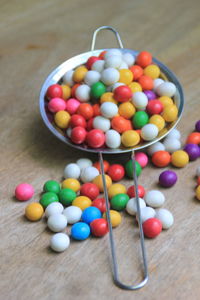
{"x": 126, "y": 76}
{"x": 66, "y": 91}
{"x": 179, "y": 159}
{"x": 62, "y": 119}
{"x": 166, "y": 101}
{"x": 158, "y": 121}
{"x": 34, "y": 211}
{"x": 130, "y": 138}
{"x": 115, "y": 217}
{"x": 71, "y": 183}
{"x": 79, "y": 73}
{"x": 152, "y": 71}
{"x": 170, "y": 113}
{"x": 126, "y": 110}
{"x": 135, "y": 87}
{"x": 98, "y": 181}
{"x": 107, "y": 97}
{"x": 82, "y": 201}
{"x": 116, "y": 188}
{"x": 198, "y": 192}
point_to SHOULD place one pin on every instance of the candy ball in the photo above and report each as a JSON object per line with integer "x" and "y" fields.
{"x": 82, "y": 202}
{"x": 152, "y": 71}
{"x": 139, "y": 100}
{"x": 56, "y": 104}
{"x": 167, "y": 178}
{"x": 62, "y": 119}
{"x": 172, "y": 144}
{"x": 91, "y": 60}
{"x": 115, "y": 218}
{"x": 135, "y": 87}
{"x": 57, "y": 222}
{"x": 98, "y": 65}
{"x": 165, "y": 217}
{"x": 146, "y": 213}
{"x": 150, "y": 94}
{"x": 170, "y": 113}
{"x": 120, "y": 124}
{"x": 126, "y": 110}
{"x": 113, "y": 61}
{"x": 128, "y": 58}
{"x": 116, "y": 172}
{"x": 161, "y": 159}
{"x": 152, "y": 227}
{"x": 154, "y": 107}
{"x": 106, "y": 165}
{"x": 140, "y": 119}
{"x": 82, "y": 93}
{"x": 126, "y": 76}
{"x": 54, "y": 208}
{"x": 72, "y": 171}
{"x": 24, "y": 191}
{"x": 90, "y": 214}
{"x": 137, "y": 71}
{"x": 131, "y": 191}
{"x": 116, "y": 188}
{"x": 166, "y": 89}
{"x": 198, "y": 192}
{"x": 129, "y": 168}
{"x": 84, "y": 163}
{"x": 101, "y": 123}
{"x": 158, "y": 146}
{"x": 197, "y": 126}
{"x": 77, "y": 120}
{"x": 141, "y": 158}
{"x": 100, "y": 203}
{"x": 111, "y": 52}
{"x": 131, "y": 206}
{"x": 194, "y": 138}
{"x": 109, "y": 76}
{"x": 90, "y": 190}
{"x": 144, "y": 59}
{"x": 157, "y": 82}
{"x": 48, "y": 198}
{"x": 179, "y": 159}
{"x": 92, "y": 77}
{"x": 34, "y": 211}
{"x": 53, "y": 91}
{"x": 130, "y": 138}
{"x": 72, "y": 106}
{"x": 51, "y": 186}
{"x": 158, "y": 121}
{"x": 85, "y": 110}
{"x": 122, "y": 93}
{"x": 108, "y": 109}
{"x": 99, "y": 182}
{"x": 71, "y": 183}
{"x": 154, "y": 198}
{"x": 96, "y": 138}
{"x": 112, "y": 139}
{"x": 66, "y": 92}
{"x": 166, "y": 101}
{"x": 149, "y": 132}
{"x": 78, "y": 135}
{"x": 146, "y": 82}
{"x": 192, "y": 150}
{"x": 73, "y": 214}
{"x": 66, "y": 196}
{"x": 119, "y": 201}
{"x": 80, "y": 231}
{"x": 68, "y": 78}
{"x": 99, "y": 227}
{"x": 59, "y": 242}
{"x": 88, "y": 174}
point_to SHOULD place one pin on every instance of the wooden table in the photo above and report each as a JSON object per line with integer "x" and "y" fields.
{"x": 36, "y": 36}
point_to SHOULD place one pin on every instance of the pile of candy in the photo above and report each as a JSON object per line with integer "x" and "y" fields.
{"x": 114, "y": 100}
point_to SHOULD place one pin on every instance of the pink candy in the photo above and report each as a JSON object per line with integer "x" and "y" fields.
{"x": 141, "y": 158}
{"x": 24, "y": 192}
{"x": 72, "y": 105}
{"x": 56, "y": 104}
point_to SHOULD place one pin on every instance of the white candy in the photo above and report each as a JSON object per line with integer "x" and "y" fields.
{"x": 72, "y": 171}
{"x": 123, "y": 65}
{"x": 73, "y": 214}
{"x": 112, "y": 52}
{"x": 157, "y": 82}
{"x": 54, "y": 208}
{"x": 98, "y": 66}
{"x": 92, "y": 77}
{"x": 110, "y": 76}
{"x": 154, "y": 198}
{"x": 68, "y": 78}
{"x": 147, "y": 213}
{"x": 88, "y": 174}
{"x": 113, "y": 139}
{"x": 69, "y": 132}
{"x": 149, "y": 132}
{"x": 139, "y": 100}
{"x": 174, "y": 133}
{"x": 83, "y": 93}
{"x": 57, "y": 222}
{"x": 166, "y": 217}
{"x": 128, "y": 58}
{"x": 113, "y": 61}
{"x": 198, "y": 171}
{"x": 84, "y": 163}
{"x": 166, "y": 89}
{"x": 109, "y": 109}
{"x": 59, "y": 242}
{"x": 115, "y": 85}
{"x": 102, "y": 123}
{"x": 171, "y": 144}
{"x": 158, "y": 146}
{"x": 131, "y": 206}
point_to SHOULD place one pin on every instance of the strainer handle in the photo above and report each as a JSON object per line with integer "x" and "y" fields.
{"x": 107, "y": 28}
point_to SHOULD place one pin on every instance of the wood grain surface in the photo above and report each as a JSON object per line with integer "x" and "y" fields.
{"x": 35, "y": 37}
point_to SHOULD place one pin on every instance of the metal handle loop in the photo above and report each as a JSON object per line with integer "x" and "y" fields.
{"x": 108, "y": 28}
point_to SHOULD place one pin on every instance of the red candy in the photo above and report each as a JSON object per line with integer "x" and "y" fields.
{"x": 73, "y": 89}
{"x": 90, "y": 124}
{"x": 85, "y": 110}
{"x": 146, "y": 82}
{"x": 116, "y": 172}
{"x": 102, "y": 54}
{"x": 144, "y": 59}
{"x": 90, "y": 190}
{"x": 194, "y": 138}
{"x": 95, "y": 138}
{"x": 122, "y": 93}
{"x": 24, "y": 191}
{"x": 96, "y": 110}
{"x": 100, "y": 203}
{"x": 152, "y": 227}
{"x": 99, "y": 227}
{"x": 131, "y": 191}
{"x": 137, "y": 71}
{"x": 91, "y": 60}
{"x": 54, "y": 91}
{"x": 106, "y": 165}
{"x": 78, "y": 135}
{"x": 154, "y": 107}
{"x": 77, "y": 120}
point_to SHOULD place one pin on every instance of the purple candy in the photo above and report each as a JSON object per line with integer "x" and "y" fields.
{"x": 197, "y": 126}
{"x": 168, "y": 178}
{"x": 150, "y": 94}
{"x": 193, "y": 151}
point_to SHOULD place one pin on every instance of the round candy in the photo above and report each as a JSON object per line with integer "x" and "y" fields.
{"x": 141, "y": 158}
{"x": 165, "y": 217}
{"x": 77, "y": 120}
{"x": 68, "y": 78}
{"x": 109, "y": 76}
{"x": 167, "y": 178}
{"x": 101, "y": 123}
{"x": 139, "y": 100}
{"x": 126, "y": 110}
{"x": 152, "y": 227}
{"x": 66, "y": 92}
{"x": 72, "y": 171}
{"x": 95, "y": 138}
{"x": 154, "y": 107}
{"x": 116, "y": 172}
{"x": 90, "y": 214}
{"x": 78, "y": 135}
{"x": 194, "y": 138}
{"x": 106, "y": 165}
{"x": 115, "y": 217}
{"x": 122, "y": 93}
{"x": 109, "y": 109}
{"x": 166, "y": 89}
{"x": 129, "y": 168}
{"x": 154, "y": 198}
{"x": 92, "y": 77}
{"x": 146, "y": 82}
{"x": 24, "y": 191}
{"x": 146, "y": 213}
{"x": 98, "y": 65}
{"x": 88, "y": 174}
{"x": 157, "y": 82}
{"x": 59, "y": 242}
{"x": 170, "y": 113}
{"x": 99, "y": 182}
{"x": 131, "y": 191}
{"x": 144, "y": 59}
{"x": 111, "y": 52}
{"x": 91, "y": 60}
{"x": 171, "y": 144}
{"x": 82, "y": 202}
{"x": 119, "y": 201}
{"x": 85, "y": 110}
{"x": 149, "y": 132}
{"x": 107, "y": 97}
{"x": 80, "y": 231}
{"x": 51, "y": 186}
{"x": 54, "y": 208}
{"x": 62, "y": 119}
{"x": 126, "y": 76}
{"x": 140, "y": 119}
{"x": 137, "y": 71}
{"x": 71, "y": 183}
{"x": 112, "y": 139}
{"x": 192, "y": 150}
{"x": 158, "y": 121}
{"x": 158, "y": 146}
{"x": 66, "y": 196}
{"x": 135, "y": 87}
{"x": 116, "y": 188}
{"x": 198, "y": 192}
{"x": 82, "y": 93}
{"x": 130, "y": 138}
{"x": 197, "y": 126}
{"x": 179, "y": 159}
{"x": 34, "y": 211}
{"x": 166, "y": 101}
{"x": 161, "y": 159}
{"x": 84, "y": 163}
{"x": 57, "y": 222}
{"x": 152, "y": 71}
{"x": 120, "y": 124}
{"x": 56, "y": 104}
{"x": 99, "y": 227}
{"x": 73, "y": 214}
{"x": 48, "y": 198}
{"x": 79, "y": 73}
{"x": 90, "y": 190}
{"x": 53, "y": 91}
{"x": 100, "y": 203}
{"x": 150, "y": 95}
{"x": 113, "y": 61}
{"x": 131, "y": 206}
{"x": 72, "y": 105}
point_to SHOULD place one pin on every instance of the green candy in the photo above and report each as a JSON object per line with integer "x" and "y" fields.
{"x": 51, "y": 186}
{"x": 98, "y": 89}
{"x": 140, "y": 119}
{"x": 66, "y": 196}
{"x": 119, "y": 201}
{"x": 129, "y": 168}
{"x": 48, "y": 198}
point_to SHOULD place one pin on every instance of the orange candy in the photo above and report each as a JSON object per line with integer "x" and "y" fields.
{"x": 96, "y": 110}
{"x": 73, "y": 89}
{"x": 161, "y": 158}
{"x": 102, "y": 54}
{"x": 137, "y": 71}
{"x": 193, "y": 138}
{"x": 106, "y": 165}
{"x": 120, "y": 124}
{"x": 85, "y": 110}
{"x": 144, "y": 59}
{"x": 146, "y": 82}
